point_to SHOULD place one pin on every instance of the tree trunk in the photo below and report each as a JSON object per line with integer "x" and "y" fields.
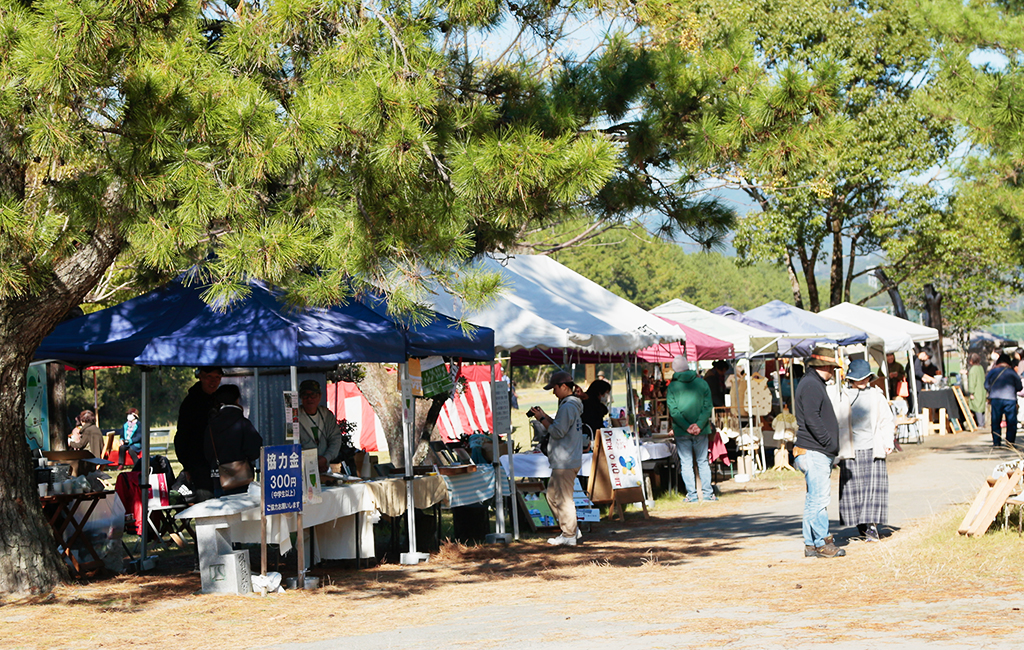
{"x": 57, "y": 404}
{"x": 835, "y": 289}
{"x": 807, "y": 264}
{"x": 933, "y": 318}
{"x": 381, "y": 390}
{"x": 794, "y": 281}
{"x": 29, "y": 563}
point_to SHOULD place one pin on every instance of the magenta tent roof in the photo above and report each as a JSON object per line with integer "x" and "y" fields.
{"x": 698, "y": 346}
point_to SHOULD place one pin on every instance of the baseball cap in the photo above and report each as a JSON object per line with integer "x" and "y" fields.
{"x": 309, "y": 386}
{"x": 559, "y": 377}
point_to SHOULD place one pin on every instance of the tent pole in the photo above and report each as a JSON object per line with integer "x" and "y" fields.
{"x": 912, "y": 377}
{"x": 408, "y": 426}
{"x": 511, "y": 467}
{"x": 300, "y": 533}
{"x": 144, "y": 562}
{"x": 885, "y": 374}
{"x": 750, "y": 409}
{"x": 254, "y": 407}
{"x": 499, "y": 499}
{"x": 95, "y": 398}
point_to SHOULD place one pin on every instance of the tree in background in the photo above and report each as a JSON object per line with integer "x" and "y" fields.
{"x": 118, "y": 389}
{"x": 648, "y": 271}
{"x": 319, "y": 146}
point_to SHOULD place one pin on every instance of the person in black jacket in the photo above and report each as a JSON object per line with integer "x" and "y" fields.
{"x": 816, "y": 448}
{"x": 231, "y": 436}
{"x": 193, "y": 416}
{"x": 595, "y": 407}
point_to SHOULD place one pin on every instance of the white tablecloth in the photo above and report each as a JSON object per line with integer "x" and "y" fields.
{"x": 537, "y": 466}
{"x": 333, "y": 519}
{"x": 657, "y": 450}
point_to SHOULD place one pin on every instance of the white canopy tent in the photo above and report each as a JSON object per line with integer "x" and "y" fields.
{"x": 545, "y": 304}
{"x": 897, "y": 334}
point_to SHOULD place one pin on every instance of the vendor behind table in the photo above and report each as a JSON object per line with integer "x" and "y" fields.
{"x": 318, "y": 427}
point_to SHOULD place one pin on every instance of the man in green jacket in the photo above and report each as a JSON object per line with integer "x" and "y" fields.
{"x": 689, "y": 406}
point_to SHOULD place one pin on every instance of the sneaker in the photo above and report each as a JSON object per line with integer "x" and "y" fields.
{"x": 691, "y": 499}
{"x": 711, "y": 498}
{"x": 562, "y": 540}
{"x": 829, "y": 549}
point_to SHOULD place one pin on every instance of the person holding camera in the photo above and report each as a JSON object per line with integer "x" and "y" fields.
{"x": 565, "y": 453}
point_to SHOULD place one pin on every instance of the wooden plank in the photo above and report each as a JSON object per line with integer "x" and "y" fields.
{"x": 969, "y": 422}
{"x": 972, "y": 514}
{"x": 1004, "y": 487}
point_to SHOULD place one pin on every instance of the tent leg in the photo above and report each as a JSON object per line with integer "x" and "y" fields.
{"x": 499, "y": 536}
{"x": 408, "y": 426}
{"x": 145, "y": 562}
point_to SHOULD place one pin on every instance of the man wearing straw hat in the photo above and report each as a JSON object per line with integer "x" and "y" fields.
{"x": 816, "y": 448}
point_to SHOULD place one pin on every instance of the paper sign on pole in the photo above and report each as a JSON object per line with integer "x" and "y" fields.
{"x": 291, "y": 412}
{"x": 500, "y": 411}
{"x": 415, "y": 378}
{"x": 311, "y": 473}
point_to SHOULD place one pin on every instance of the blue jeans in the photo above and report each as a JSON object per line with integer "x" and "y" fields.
{"x": 1001, "y": 407}
{"x": 817, "y": 469}
{"x": 689, "y": 447}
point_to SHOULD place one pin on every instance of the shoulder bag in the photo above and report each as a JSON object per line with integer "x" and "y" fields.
{"x": 234, "y": 475}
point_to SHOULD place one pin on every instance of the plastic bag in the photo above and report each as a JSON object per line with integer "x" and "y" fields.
{"x": 107, "y": 520}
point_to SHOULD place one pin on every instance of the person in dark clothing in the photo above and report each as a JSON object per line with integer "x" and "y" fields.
{"x": 193, "y": 416}
{"x": 1003, "y": 383}
{"x": 231, "y": 436}
{"x": 816, "y": 448}
{"x": 595, "y": 407}
{"x": 715, "y": 377}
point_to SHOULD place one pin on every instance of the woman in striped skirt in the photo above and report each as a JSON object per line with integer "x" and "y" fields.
{"x": 863, "y": 446}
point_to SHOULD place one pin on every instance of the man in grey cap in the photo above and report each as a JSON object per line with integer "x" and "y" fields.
{"x": 318, "y": 427}
{"x": 816, "y": 448}
{"x": 565, "y": 454}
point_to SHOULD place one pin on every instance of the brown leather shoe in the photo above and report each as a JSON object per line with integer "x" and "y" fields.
{"x": 829, "y": 549}
{"x": 810, "y": 551}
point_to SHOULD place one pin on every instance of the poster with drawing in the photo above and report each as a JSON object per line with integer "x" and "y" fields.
{"x": 622, "y": 455}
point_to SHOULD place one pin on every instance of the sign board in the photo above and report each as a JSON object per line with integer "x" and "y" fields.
{"x": 500, "y": 411}
{"x": 37, "y": 422}
{"x": 434, "y": 376}
{"x": 620, "y": 449}
{"x": 282, "y": 479}
{"x": 616, "y": 472}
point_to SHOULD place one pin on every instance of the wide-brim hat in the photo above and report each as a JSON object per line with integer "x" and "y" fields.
{"x": 558, "y": 377}
{"x": 822, "y": 356}
{"x": 859, "y": 369}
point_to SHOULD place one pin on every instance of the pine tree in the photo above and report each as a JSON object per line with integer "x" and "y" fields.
{"x": 318, "y": 145}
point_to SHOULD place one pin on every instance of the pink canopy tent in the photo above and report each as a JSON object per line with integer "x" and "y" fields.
{"x": 698, "y": 346}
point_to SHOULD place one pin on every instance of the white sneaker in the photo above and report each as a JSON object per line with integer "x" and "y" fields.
{"x": 562, "y": 540}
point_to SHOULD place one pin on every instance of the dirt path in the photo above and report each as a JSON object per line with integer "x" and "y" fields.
{"x": 729, "y": 573}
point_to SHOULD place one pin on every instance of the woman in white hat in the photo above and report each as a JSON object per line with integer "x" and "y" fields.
{"x": 863, "y": 446}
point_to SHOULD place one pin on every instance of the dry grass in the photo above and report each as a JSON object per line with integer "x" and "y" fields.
{"x": 925, "y": 582}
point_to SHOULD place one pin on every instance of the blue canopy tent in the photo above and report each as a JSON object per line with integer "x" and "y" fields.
{"x": 173, "y": 326}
